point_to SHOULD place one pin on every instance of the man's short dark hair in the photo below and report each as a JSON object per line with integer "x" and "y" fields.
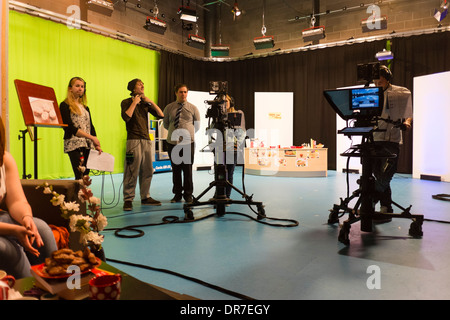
{"x": 180, "y": 85}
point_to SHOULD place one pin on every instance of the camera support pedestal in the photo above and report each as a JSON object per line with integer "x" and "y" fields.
{"x": 364, "y": 209}
{"x": 220, "y": 201}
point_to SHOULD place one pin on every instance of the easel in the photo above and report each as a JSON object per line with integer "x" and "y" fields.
{"x": 31, "y": 97}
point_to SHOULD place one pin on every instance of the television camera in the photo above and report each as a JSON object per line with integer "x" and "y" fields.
{"x": 220, "y": 121}
{"x": 362, "y": 107}
{"x": 217, "y": 112}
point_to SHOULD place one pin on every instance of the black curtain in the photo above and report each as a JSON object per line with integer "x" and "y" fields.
{"x": 308, "y": 74}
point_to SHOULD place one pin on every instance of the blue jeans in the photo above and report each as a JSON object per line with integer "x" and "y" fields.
{"x": 14, "y": 259}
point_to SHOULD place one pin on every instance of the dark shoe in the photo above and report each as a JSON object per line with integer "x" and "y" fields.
{"x": 176, "y": 199}
{"x": 151, "y": 202}
{"x": 380, "y": 218}
{"x": 128, "y": 206}
{"x": 188, "y": 199}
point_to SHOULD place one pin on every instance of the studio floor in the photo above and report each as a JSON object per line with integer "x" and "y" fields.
{"x": 275, "y": 260}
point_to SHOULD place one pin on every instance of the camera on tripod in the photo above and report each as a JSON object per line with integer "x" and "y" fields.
{"x": 218, "y": 130}
{"x": 221, "y": 119}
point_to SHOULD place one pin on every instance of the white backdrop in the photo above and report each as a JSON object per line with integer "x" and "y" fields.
{"x": 274, "y": 118}
{"x": 201, "y": 159}
{"x": 431, "y": 129}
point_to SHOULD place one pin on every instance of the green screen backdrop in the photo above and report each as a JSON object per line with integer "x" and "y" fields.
{"x": 50, "y": 54}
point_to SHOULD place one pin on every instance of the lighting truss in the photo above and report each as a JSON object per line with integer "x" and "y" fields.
{"x": 374, "y": 24}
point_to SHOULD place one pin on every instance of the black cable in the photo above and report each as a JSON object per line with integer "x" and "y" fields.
{"x": 174, "y": 219}
{"x": 209, "y": 285}
{"x": 441, "y": 196}
{"x": 118, "y": 232}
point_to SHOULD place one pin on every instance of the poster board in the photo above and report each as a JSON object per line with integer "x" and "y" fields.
{"x": 274, "y": 118}
{"x": 202, "y": 159}
{"x": 431, "y": 132}
{"x": 39, "y": 105}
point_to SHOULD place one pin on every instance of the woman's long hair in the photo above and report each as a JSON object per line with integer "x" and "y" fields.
{"x": 2, "y": 141}
{"x": 70, "y": 100}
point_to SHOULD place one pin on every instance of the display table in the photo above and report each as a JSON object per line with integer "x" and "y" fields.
{"x": 283, "y": 162}
{"x": 132, "y": 288}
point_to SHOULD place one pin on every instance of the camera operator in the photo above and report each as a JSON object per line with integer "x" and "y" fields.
{"x": 395, "y": 118}
{"x": 235, "y": 139}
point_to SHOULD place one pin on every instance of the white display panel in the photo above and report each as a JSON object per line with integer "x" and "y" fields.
{"x": 431, "y": 129}
{"x": 274, "y": 118}
{"x": 201, "y": 159}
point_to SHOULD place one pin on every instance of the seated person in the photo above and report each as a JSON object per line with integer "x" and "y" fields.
{"x": 24, "y": 240}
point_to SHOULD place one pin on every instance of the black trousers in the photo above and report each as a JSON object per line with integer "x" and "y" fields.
{"x": 383, "y": 171}
{"x": 75, "y": 159}
{"x": 182, "y": 172}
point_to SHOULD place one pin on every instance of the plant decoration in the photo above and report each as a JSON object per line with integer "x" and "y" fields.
{"x": 88, "y": 225}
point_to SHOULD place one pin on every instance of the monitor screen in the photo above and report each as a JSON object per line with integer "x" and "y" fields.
{"x": 356, "y": 103}
{"x": 365, "y": 98}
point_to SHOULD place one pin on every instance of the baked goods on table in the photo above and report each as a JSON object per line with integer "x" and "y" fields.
{"x": 61, "y": 259}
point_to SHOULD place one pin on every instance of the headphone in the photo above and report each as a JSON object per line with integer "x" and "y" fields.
{"x": 386, "y": 73}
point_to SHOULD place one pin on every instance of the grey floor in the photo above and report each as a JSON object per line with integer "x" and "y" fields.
{"x": 272, "y": 262}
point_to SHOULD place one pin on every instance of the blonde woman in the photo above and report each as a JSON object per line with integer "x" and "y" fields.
{"x": 79, "y": 135}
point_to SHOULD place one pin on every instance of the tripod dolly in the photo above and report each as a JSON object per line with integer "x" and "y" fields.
{"x": 364, "y": 209}
{"x": 220, "y": 200}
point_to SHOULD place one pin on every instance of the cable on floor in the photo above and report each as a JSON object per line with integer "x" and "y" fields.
{"x": 441, "y": 196}
{"x": 136, "y": 233}
{"x": 206, "y": 284}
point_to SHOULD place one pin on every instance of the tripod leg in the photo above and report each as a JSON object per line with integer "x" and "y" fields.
{"x": 344, "y": 233}
{"x": 415, "y": 229}
{"x": 188, "y": 214}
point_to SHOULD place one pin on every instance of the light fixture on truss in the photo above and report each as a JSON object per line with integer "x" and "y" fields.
{"x": 313, "y": 33}
{"x": 195, "y": 41}
{"x": 220, "y": 50}
{"x": 441, "y": 13}
{"x": 105, "y": 7}
{"x": 384, "y": 55}
{"x": 154, "y": 24}
{"x": 187, "y": 14}
{"x": 236, "y": 11}
{"x": 264, "y": 42}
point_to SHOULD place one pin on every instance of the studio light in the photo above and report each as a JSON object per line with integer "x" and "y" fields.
{"x": 384, "y": 55}
{"x": 236, "y": 11}
{"x": 187, "y": 14}
{"x": 154, "y": 24}
{"x": 196, "y": 41}
{"x": 220, "y": 50}
{"x": 101, "y": 6}
{"x": 264, "y": 42}
{"x": 313, "y": 33}
{"x": 441, "y": 13}
{"x": 374, "y": 23}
